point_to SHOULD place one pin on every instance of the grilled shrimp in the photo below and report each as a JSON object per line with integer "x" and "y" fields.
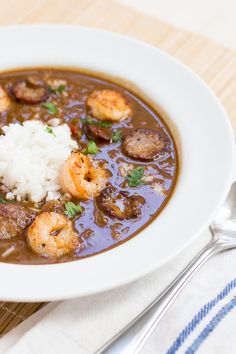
{"x": 80, "y": 178}
{"x": 108, "y": 105}
{"x": 4, "y": 100}
{"x": 52, "y": 234}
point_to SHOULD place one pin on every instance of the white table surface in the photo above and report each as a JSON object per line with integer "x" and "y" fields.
{"x": 213, "y": 18}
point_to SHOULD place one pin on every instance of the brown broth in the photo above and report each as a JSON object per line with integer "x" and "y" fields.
{"x": 95, "y": 238}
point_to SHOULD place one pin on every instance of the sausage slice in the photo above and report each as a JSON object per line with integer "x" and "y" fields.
{"x": 119, "y": 204}
{"x": 98, "y": 133}
{"x": 26, "y": 92}
{"x": 14, "y": 218}
{"x": 143, "y": 144}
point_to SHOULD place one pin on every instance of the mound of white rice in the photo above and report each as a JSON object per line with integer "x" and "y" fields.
{"x": 31, "y": 156}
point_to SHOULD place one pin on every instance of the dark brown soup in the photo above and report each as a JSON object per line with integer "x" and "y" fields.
{"x": 114, "y": 184}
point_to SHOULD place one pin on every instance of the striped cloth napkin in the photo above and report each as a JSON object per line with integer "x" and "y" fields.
{"x": 202, "y": 319}
{"x": 205, "y": 321}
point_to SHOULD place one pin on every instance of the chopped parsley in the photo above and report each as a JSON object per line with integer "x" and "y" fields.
{"x": 52, "y": 109}
{"x": 50, "y": 131}
{"x": 3, "y": 201}
{"x": 116, "y": 136}
{"x": 71, "y": 209}
{"x": 58, "y": 89}
{"x": 91, "y": 148}
{"x": 95, "y": 122}
{"x": 134, "y": 178}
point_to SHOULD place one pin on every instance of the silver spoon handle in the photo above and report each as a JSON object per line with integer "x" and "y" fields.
{"x": 132, "y": 338}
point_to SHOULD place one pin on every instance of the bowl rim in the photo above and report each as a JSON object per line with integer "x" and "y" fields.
{"x": 32, "y": 271}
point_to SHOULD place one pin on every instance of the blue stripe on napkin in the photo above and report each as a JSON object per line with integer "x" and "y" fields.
{"x": 211, "y": 326}
{"x": 200, "y": 316}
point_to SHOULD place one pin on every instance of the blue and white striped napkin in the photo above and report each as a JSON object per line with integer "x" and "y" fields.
{"x": 202, "y": 319}
{"x": 203, "y": 326}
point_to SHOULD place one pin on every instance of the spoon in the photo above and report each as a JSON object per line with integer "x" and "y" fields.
{"x": 131, "y": 339}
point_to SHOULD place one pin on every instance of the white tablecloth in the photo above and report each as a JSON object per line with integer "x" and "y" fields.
{"x": 212, "y": 18}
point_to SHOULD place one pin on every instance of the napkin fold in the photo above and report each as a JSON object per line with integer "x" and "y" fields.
{"x": 202, "y": 319}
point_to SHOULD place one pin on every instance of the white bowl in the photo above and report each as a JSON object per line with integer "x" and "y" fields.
{"x": 206, "y": 156}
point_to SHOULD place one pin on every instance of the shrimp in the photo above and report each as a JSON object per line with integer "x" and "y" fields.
{"x": 52, "y": 234}
{"x": 80, "y": 178}
{"x": 108, "y": 105}
{"x": 4, "y": 100}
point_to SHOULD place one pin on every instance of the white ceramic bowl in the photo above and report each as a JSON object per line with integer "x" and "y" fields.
{"x": 207, "y": 146}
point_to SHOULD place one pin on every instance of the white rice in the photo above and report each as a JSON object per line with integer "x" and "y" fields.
{"x": 30, "y": 159}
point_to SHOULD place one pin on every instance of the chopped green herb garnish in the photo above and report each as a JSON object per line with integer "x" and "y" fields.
{"x": 71, "y": 209}
{"x": 95, "y": 122}
{"x": 102, "y": 124}
{"x": 116, "y": 136}
{"x": 58, "y": 89}
{"x": 3, "y": 201}
{"x": 87, "y": 121}
{"x": 134, "y": 178}
{"x": 91, "y": 148}
{"x": 50, "y": 131}
{"x": 52, "y": 109}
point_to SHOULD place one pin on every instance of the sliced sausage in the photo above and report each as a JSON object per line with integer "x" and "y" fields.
{"x": 26, "y": 92}
{"x": 98, "y": 133}
{"x": 14, "y": 218}
{"x": 143, "y": 144}
{"x": 8, "y": 228}
{"x": 4, "y": 100}
{"x": 119, "y": 204}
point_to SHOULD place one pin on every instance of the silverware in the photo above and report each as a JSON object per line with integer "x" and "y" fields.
{"x": 132, "y": 338}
